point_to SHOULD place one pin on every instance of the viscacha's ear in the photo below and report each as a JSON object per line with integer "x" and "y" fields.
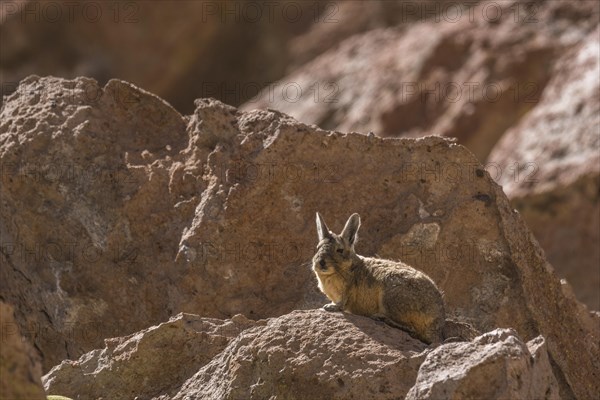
{"x": 351, "y": 229}
{"x": 322, "y": 229}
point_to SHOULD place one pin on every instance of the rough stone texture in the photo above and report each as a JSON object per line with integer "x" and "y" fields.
{"x": 304, "y": 355}
{"x": 550, "y": 168}
{"x": 20, "y": 367}
{"x": 150, "y": 363}
{"x": 84, "y": 218}
{"x": 311, "y": 355}
{"x": 214, "y": 214}
{"x": 477, "y": 73}
{"x": 496, "y": 365}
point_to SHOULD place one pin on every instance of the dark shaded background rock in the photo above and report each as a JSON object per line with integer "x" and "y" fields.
{"x": 304, "y": 355}
{"x": 179, "y": 50}
{"x": 184, "y": 50}
{"x": 340, "y": 20}
{"x": 549, "y": 165}
{"x": 476, "y": 74}
{"x": 214, "y": 214}
{"x": 20, "y": 367}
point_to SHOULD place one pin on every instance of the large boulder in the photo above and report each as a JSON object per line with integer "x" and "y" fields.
{"x": 478, "y": 72}
{"x": 20, "y": 367}
{"x": 549, "y": 166}
{"x": 84, "y": 218}
{"x": 214, "y": 214}
{"x": 304, "y": 355}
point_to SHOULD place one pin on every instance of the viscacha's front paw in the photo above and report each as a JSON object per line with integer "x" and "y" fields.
{"x": 331, "y": 307}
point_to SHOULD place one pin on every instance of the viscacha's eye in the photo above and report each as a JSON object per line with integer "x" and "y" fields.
{"x": 340, "y": 251}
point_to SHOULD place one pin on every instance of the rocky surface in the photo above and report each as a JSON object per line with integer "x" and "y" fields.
{"x": 305, "y": 354}
{"x": 479, "y": 71}
{"x": 20, "y": 367}
{"x": 214, "y": 214}
{"x": 551, "y": 169}
{"x": 84, "y": 220}
{"x": 149, "y": 363}
{"x": 496, "y": 365}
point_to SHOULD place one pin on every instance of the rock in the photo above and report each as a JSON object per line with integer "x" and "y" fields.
{"x": 496, "y": 365}
{"x": 339, "y": 20}
{"x": 310, "y": 354}
{"x": 175, "y": 44}
{"x": 20, "y": 367}
{"x": 147, "y": 364}
{"x": 254, "y": 43}
{"x": 84, "y": 210}
{"x": 479, "y": 71}
{"x": 435, "y": 208}
{"x": 549, "y": 166}
{"x": 214, "y": 214}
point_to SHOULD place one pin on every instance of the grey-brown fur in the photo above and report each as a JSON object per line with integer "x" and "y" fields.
{"x": 382, "y": 289}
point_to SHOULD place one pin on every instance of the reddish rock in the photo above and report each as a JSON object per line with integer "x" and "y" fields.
{"x": 20, "y": 367}
{"x": 170, "y": 48}
{"x": 214, "y": 214}
{"x": 304, "y": 355}
{"x": 496, "y": 365}
{"x": 549, "y": 165}
{"x": 84, "y": 211}
{"x": 186, "y": 50}
{"x": 476, "y": 75}
{"x": 339, "y": 20}
{"x": 149, "y": 363}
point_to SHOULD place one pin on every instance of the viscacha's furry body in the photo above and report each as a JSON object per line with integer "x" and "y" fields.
{"x": 382, "y": 289}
